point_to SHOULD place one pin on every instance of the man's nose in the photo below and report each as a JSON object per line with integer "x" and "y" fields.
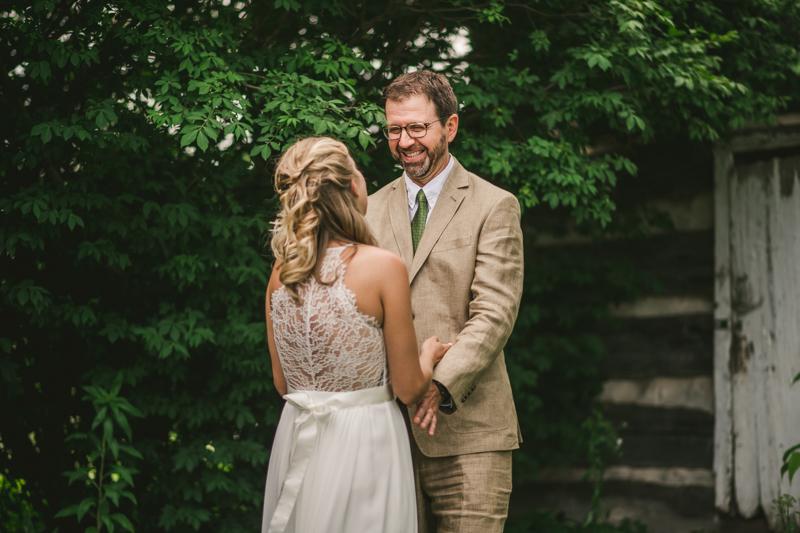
{"x": 405, "y": 139}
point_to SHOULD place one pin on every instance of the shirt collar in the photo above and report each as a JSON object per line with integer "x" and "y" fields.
{"x": 432, "y": 189}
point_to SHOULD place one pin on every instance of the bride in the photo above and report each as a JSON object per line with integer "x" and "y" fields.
{"x": 343, "y": 347}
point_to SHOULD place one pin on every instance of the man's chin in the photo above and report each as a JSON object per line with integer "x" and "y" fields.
{"x": 416, "y": 171}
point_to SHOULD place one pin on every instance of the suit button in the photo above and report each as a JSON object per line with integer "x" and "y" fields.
{"x": 413, "y": 316}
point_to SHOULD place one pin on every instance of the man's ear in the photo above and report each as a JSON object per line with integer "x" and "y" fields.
{"x": 452, "y": 127}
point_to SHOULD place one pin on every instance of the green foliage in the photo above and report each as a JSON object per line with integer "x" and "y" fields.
{"x": 791, "y": 461}
{"x": 17, "y": 514}
{"x": 789, "y": 517}
{"x": 791, "y": 457}
{"x": 548, "y": 522}
{"x": 603, "y": 443}
{"x": 135, "y": 194}
{"x": 104, "y": 474}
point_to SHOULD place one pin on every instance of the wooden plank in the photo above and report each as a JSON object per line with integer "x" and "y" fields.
{"x": 641, "y": 420}
{"x": 762, "y": 320}
{"x": 675, "y": 346}
{"x": 773, "y": 139}
{"x": 685, "y": 500}
{"x": 690, "y": 393}
{"x": 675, "y": 503}
{"x": 782, "y": 343}
{"x": 663, "y": 306}
{"x": 666, "y": 477}
{"x": 749, "y": 301}
{"x": 723, "y": 423}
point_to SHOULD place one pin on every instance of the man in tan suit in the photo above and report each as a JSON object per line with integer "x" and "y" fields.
{"x": 461, "y": 240}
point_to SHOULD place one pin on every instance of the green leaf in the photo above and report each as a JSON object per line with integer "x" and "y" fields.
{"x": 114, "y": 445}
{"x": 41, "y": 69}
{"x": 789, "y": 452}
{"x": 106, "y": 519}
{"x": 100, "y": 417}
{"x": 23, "y": 296}
{"x": 122, "y": 422}
{"x": 793, "y": 465}
{"x": 116, "y": 385}
{"x": 124, "y": 472}
{"x": 123, "y": 521}
{"x": 188, "y": 138}
{"x": 74, "y": 220}
{"x": 130, "y": 450}
{"x": 202, "y": 141}
{"x": 128, "y": 408}
{"x": 108, "y": 429}
{"x": 84, "y": 506}
{"x": 68, "y": 511}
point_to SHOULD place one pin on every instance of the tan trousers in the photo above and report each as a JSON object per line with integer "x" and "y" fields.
{"x": 463, "y": 493}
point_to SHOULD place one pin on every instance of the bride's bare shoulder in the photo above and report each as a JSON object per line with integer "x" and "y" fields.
{"x": 377, "y": 255}
{"x": 377, "y": 259}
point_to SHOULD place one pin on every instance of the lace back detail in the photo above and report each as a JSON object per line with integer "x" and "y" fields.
{"x": 326, "y": 343}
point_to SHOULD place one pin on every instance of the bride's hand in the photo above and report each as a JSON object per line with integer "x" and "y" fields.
{"x": 435, "y": 348}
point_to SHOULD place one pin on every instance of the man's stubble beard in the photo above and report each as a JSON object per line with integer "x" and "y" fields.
{"x": 419, "y": 170}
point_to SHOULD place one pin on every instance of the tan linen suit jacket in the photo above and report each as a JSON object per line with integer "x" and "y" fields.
{"x": 466, "y": 283}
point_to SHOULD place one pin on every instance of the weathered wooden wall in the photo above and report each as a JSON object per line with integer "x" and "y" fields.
{"x": 757, "y": 341}
{"x": 698, "y": 376}
{"x": 659, "y": 369}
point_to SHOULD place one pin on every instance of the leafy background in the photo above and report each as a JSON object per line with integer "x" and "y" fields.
{"x": 138, "y": 144}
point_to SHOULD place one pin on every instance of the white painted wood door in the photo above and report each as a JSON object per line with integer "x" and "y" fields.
{"x": 757, "y": 338}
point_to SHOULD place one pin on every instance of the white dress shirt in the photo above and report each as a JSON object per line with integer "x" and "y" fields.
{"x": 432, "y": 190}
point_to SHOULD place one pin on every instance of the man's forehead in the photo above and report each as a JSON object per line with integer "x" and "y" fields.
{"x": 409, "y": 105}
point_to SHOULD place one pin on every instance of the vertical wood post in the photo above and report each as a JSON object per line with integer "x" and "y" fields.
{"x": 723, "y": 322}
{"x": 757, "y": 318}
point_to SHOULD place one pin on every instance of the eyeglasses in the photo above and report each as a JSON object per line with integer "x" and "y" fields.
{"x": 415, "y": 130}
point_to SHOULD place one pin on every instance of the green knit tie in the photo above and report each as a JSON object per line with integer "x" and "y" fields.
{"x": 420, "y": 217}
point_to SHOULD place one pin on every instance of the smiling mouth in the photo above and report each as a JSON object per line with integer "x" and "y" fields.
{"x": 412, "y": 155}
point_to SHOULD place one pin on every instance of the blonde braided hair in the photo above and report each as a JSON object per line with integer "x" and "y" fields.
{"x": 317, "y": 206}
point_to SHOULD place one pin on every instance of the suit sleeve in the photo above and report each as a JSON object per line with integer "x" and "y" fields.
{"x": 496, "y": 292}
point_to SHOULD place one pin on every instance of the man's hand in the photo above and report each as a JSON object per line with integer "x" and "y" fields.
{"x": 427, "y": 407}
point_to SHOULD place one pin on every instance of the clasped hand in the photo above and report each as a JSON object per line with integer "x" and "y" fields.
{"x": 428, "y": 406}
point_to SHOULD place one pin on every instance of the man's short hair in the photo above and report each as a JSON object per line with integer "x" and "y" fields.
{"x": 434, "y": 86}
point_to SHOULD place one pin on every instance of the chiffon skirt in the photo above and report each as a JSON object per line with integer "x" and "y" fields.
{"x": 340, "y": 462}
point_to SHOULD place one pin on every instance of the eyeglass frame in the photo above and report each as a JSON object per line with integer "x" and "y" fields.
{"x": 385, "y": 129}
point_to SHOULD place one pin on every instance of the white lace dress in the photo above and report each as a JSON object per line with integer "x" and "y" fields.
{"x": 341, "y": 460}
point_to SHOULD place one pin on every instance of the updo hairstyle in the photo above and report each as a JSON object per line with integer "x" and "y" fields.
{"x": 317, "y": 206}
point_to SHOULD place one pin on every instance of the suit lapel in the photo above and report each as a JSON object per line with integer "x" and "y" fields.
{"x": 446, "y": 206}
{"x": 401, "y": 225}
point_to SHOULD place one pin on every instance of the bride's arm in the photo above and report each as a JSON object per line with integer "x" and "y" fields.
{"x": 277, "y": 371}
{"x": 410, "y": 370}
